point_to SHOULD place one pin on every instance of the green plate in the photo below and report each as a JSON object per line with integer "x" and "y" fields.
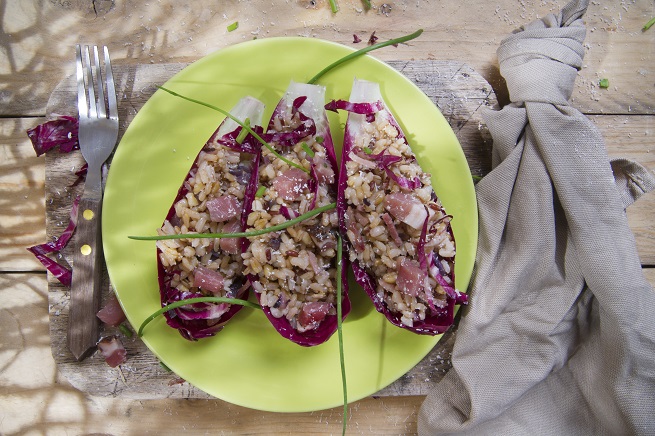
{"x": 248, "y": 363}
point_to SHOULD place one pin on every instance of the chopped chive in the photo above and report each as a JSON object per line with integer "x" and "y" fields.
{"x": 319, "y": 140}
{"x": 334, "y": 6}
{"x": 340, "y": 335}
{"x": 188, "y": 301}
{"x": 251, "y": 233}
{"x": 476, "y": 179}
{"x": 367, "y": 4}
{"x": 308, "y": 150}
{"x": 238, "y": 121}
{"x": 367, "y": 150}
{"x": 604, "y": 83}
{"x": 243, "y": 133}
{"x": 648, "y": 25}
{"x": 363, "y": 51}
{"x": 260, "y": 191}
{"x": 232, "y": 27}
{"x": 125, "y": 330}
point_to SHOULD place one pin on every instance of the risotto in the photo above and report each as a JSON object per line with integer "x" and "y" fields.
{"x": 399, "y": 236}
{"x": 214, "y": 198}
{"x": 294, "y": 270}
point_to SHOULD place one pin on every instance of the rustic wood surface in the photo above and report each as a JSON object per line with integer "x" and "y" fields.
{"x": 36, "y": 54}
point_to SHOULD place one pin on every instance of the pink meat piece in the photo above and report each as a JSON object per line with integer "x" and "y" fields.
{"x": 208, "y": 279}
{"x": 411, "y": 278}
{"x": 112, "y": 313}
{"x": 223, "y": 208}
{"x": 291, "y": 184}
{"x": 312, "y": 313}
{"x": 231, "y": 245}
{"x": 112, "y": 350}
{"x": 393, "y": 232}
{"x": 324, "y": 172}
{"x": 406, "y": 208}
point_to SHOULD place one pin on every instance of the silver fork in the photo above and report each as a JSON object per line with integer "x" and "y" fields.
{"x": 98, "y": 133}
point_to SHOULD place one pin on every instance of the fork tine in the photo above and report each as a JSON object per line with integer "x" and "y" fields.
{"x": 83, "y": 107}
{"x": 93, "y": 113}
{"x": 102, "y": 111}
{"x": 111, "y": 90}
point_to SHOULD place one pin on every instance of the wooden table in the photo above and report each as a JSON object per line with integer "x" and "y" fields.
{"x": 37, "y": 54}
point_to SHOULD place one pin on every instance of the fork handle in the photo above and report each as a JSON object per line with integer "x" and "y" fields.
{"x": 83, "y": 324}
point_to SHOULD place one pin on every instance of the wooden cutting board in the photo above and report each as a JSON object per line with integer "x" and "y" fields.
{"x": 458, "y": 91}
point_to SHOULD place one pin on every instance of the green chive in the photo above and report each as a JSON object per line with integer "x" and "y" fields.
{"x": 232, "y": 27}
{"x": 340, "y": 335}
{"x": 249, "y": 234}
{"x": 125, "y": 330}
{"x": 604, "y": 83}
{"x": 367, "y": 4}
{"x": 319, "y": 140}
{"x": 648, "y": 25}
{"x": 238, "y": 121}
{"x": 363, "y": 51}
{"x": 260, "y": 191}
{"x": 243, "y": 133}
{"x": 308, "y": 150}
{"x": 181, "y": 303}
{"x": 334, "y": 6}
{"x": 368, "y": 150}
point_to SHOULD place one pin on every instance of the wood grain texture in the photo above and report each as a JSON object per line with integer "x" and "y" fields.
{"x": 455, "y": 88}
{"x": 22, "y": 204}
{"x": 38, "y": 43}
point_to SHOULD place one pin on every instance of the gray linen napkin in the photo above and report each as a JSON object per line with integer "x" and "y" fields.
{"x": 559, "y": 337}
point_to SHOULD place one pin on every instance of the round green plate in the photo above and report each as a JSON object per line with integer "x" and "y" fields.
{"x": 248, "y": 363}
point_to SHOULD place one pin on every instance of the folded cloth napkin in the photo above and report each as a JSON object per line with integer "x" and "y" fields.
{"x": 559, "y": 337}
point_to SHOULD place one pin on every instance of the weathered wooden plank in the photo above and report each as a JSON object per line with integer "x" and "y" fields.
{"x": 176, "y": 32}
{"x": 22, "y": 205}
{"x": 633, "y": 137}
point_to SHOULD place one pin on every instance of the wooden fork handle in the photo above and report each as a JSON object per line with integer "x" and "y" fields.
{"x": 83, "y": 324}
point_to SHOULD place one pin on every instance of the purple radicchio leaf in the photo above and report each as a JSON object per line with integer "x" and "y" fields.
{"x": 60, "y": 132}
{"x": 61, "y": 272}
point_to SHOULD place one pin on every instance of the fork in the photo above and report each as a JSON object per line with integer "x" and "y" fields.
{"x": 98, "y": 133}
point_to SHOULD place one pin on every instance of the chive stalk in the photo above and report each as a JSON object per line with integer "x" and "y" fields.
{"x": 232, "y": 27}
{"x": 239, "y": 122}
{"x": 648, "y": 25}
{"x": 340, "y": 335}
{"x": 260, "y": 192}
{"x": 364, "y": 51}
{"x": 248, "y": 234}
{"x": 125, "y": 330}
{"x": 308, "y": 150}
{"x": 334, "y": 6}
{"x": 243, "y": 133}
{"x": 367, "y": 4}
{"x": 188, "y": 301}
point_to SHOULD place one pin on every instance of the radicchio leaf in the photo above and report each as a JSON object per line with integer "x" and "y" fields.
{"x": 61, "y": 272}
{"x": 60, "y": 132}
{"x": 203, "y": 320}
{"x": 317, "y": 120}
{"x": 441, "y": 314}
